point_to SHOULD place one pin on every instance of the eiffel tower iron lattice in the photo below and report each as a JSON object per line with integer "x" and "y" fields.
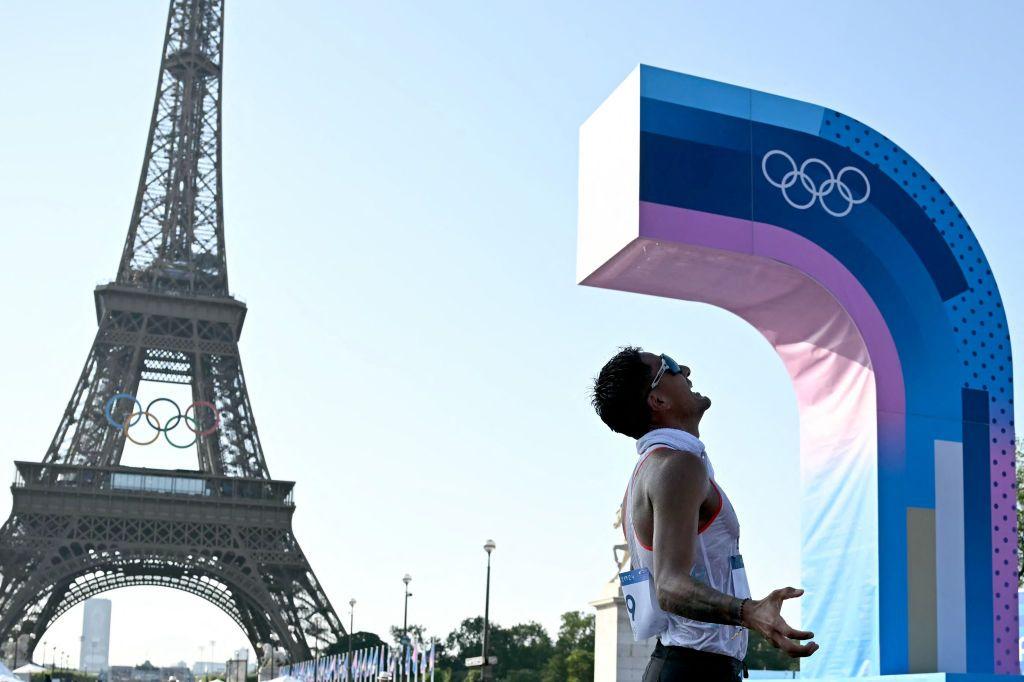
{"x": 82, "y": 523}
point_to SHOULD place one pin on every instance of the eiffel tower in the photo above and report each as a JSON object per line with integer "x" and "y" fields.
{"x": 81, "y": 523}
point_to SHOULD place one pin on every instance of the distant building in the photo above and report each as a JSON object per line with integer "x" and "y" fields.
{"x": 238, "y": 667}
{"x": 94, "y": 656}
{"x": 147, "y": 672}
{"x": 200, "y": 668}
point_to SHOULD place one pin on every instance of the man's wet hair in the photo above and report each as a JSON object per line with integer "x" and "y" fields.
{"x": 620, "y": 393}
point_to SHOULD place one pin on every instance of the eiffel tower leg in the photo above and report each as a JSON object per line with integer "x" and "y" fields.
{"x": 304, "y": 603}
{"x": 236, "y": 443}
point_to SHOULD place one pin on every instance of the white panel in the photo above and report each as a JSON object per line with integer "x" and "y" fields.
{"x": 609, "y": 189}
{"x": 951, "y": 601}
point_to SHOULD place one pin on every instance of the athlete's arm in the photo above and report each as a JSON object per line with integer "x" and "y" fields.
{"x": 676, "y": 492}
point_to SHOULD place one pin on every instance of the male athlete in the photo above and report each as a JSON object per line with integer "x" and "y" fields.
{"x": 680, "y": 525}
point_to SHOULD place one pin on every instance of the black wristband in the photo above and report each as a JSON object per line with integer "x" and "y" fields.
{"x": 736, "y": 611}
{"x": 739, "y": 617}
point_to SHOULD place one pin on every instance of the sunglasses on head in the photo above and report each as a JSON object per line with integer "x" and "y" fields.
{"x": 667, "y": 365}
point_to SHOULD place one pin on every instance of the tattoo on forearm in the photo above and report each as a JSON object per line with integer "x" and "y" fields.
{"x": 698, "y": 601}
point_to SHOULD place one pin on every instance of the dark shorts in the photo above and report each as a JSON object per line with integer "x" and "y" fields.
{"x": 679, "y": 664}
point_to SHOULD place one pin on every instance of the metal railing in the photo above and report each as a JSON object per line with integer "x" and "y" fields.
{"x": 137, "y": 481}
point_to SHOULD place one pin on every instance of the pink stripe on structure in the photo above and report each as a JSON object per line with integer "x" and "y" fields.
{"x": 658, "y": 221}
{"x": 784, "y": 246}
{"x": 1004, "y": 541}
{"x": 737, "y": 235}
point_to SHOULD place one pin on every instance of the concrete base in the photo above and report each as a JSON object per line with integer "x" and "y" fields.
{"x": 617, "y": 658}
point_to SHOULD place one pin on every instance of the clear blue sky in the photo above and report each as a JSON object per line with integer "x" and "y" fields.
{"x": 400, "y": 188}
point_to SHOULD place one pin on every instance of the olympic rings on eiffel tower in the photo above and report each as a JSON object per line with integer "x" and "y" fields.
{"x": 191, "y": 422}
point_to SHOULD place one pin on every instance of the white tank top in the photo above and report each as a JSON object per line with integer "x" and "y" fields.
{"x": 717, "y": 540}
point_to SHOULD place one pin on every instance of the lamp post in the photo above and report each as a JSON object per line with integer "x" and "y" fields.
{"x": 485, "y": 670}
{"x": 351, "y": 631}
{"x": 405, "y": 619}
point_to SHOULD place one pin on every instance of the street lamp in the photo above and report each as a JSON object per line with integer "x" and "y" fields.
{"x": 405, "y": 619}
{"x": 485, "y": 670}
{"x": 351, "y": 625}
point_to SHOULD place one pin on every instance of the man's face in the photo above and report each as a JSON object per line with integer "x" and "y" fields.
{"x": 677, "y": 389}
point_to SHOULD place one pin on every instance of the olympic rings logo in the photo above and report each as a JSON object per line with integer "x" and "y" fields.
{"x": 817, "y": 191}
{"x": 191, "y": 420}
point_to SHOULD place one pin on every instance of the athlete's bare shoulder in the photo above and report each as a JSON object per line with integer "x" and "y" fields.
{"x": 674, "y": 472}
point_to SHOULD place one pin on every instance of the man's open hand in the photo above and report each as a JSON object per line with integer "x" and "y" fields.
{"x": 764, "y": 615}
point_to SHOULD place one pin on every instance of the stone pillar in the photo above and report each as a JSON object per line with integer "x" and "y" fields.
{"x": 617, "y": 658}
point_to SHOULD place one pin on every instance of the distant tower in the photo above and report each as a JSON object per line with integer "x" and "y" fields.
{"x": 95, "y": 654}
{"x": 81, "y": 522}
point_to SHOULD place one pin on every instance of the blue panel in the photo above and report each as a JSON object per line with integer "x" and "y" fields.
{"x": 976, "y": 406}
{"x": 696, "y": 125}
{"x": 885, "y": 196}
{"x": 977, "y": 533}
{"x": 691, "y": 91}
{"x": 892, "y": 558}
{"x": 786, "y": 113}
{"x": 726, "y": 133}
{"x": 693, "y": 175}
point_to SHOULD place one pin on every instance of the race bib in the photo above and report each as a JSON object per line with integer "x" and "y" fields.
{"x": 740, "y": 588}
{"x": 645, "y": 616}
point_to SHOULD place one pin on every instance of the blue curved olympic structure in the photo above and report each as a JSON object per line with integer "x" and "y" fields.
{"x": 856, "y": 265}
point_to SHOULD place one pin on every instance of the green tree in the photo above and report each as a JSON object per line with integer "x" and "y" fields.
{"x": 526, "y": 646}
{"x": 360, "y": 640}
{"x": 573, "y": 657}
{"x": 555, "y": 670}
{"x": 525, "y": 651}
{"x": 465, "y": 640}
{"x": 576, "y": 632}
{"x": 417, "y": 633}
{"x": 579, "y": 665}
{"x": 521, "y": 649}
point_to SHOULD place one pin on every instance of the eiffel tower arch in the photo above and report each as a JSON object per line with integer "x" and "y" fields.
{"x": 81, "y": 522}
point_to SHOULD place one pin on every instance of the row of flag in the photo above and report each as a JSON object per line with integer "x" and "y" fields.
{"x": 406, "y": 664}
